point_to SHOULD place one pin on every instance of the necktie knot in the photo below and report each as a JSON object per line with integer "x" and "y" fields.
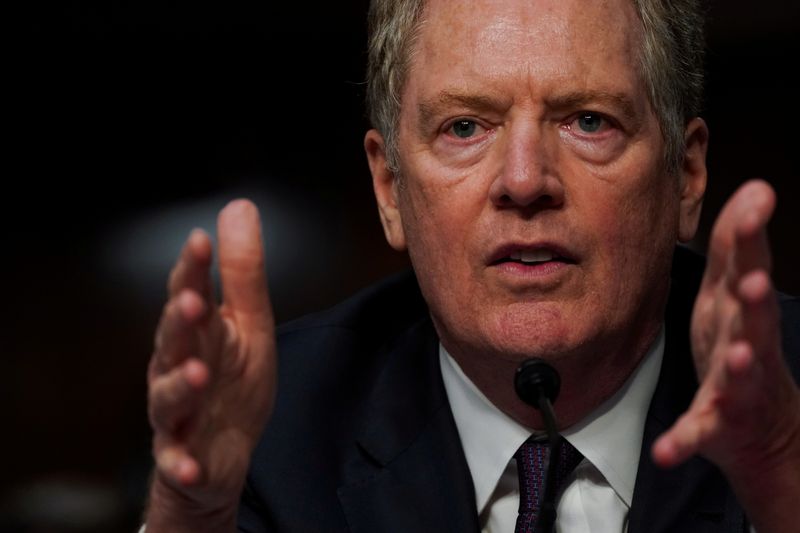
{"x": 532, "y": 470}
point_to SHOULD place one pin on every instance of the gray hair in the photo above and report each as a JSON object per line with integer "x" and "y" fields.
{"x": 671, "y": 63}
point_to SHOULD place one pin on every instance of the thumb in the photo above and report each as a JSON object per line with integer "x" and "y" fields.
{"x": 679, "y": 443}
{"x": 241, "y": 266}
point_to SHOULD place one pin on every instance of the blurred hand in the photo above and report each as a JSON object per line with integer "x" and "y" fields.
{"x": 745, "y": 416}
{"x": 211, "y": 377}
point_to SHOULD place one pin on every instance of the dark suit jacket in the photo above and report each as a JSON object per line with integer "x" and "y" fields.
{"x": 362, "y": 438}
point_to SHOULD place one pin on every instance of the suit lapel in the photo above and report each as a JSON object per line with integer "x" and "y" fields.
{"x": 693, "y": 497}
{"x": 410, "y": 474}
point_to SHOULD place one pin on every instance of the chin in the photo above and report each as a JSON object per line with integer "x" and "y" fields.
{"x": 517, "y": 348}
{"x": 515, "y": 336}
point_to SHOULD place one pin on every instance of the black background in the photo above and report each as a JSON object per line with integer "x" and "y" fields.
{"x": 129, "y": 123}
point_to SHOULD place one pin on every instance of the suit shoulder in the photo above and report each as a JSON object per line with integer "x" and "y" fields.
{"x": 347, "y": 343}
{"x": 386, "y": 307}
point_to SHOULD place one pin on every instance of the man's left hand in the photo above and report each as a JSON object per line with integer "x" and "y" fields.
{"x": 745, "y": 416}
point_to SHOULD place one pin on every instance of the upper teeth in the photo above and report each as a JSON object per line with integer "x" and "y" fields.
{"x": 532, "y": 256}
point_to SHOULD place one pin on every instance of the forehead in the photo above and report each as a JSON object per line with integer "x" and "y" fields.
{"x": 547, "y": 43}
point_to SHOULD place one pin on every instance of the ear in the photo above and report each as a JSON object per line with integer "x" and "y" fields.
{"x": 694, "y": 176}
{"x": 385, "y": 184}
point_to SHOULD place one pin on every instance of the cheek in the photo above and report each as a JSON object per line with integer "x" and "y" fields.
{"x": 630, "y": 208}
{"x": 635, "y": 228}
{"x": 440, "y": 220}
{"x": 438, "y": 206}
{"x": 428, "y": 225}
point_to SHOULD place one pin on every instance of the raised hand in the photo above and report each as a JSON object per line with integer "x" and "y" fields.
{"x": 211, "y": 378}
{"x": 746, "y": 415}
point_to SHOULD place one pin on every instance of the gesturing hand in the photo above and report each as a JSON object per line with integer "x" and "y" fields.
{"x": 746, "y": 415}
{"x": 212, "y": 376}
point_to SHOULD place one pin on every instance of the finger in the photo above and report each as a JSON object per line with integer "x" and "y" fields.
{"x": 740, "y": 403}
{"x": 177, "y": 465}
{"x": 747, "y": 210}
{"x": 176, "y": 336}
{"x": 742, "y": 382}
{"x": 759, "y": 315}
{"x": 752, "y": 245}
{"x": 241, "y": 265}
{"x": 176, "y": 395}
{"x": 681, "y": 442}
{"x": 192, "y": 270}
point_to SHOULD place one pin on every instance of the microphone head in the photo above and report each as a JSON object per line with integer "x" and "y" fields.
{"x": 534, "y": 378}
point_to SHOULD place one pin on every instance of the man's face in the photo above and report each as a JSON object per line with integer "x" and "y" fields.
{"x": 532, "y": 195}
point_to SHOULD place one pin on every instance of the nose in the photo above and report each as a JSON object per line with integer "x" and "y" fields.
{"x": 529, "y": 174}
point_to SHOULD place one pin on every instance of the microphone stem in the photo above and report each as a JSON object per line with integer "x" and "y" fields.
{"x": 546, "y": 408}
{"x": 547, "y": 512}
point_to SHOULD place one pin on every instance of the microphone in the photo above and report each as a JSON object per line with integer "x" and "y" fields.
{"x": 538, "y": 384}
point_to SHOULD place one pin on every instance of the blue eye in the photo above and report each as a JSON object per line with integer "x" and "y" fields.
{"x": 590, "y": 123}
{"x": 463, "y": 128}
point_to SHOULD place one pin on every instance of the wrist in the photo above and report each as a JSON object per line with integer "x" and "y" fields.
{"x": 170, "y": 510}
{"x": 767, "y": 480}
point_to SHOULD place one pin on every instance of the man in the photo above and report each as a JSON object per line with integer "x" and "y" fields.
{"x": 539, "y": 161}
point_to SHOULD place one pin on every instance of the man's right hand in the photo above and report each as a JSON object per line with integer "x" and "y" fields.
{"x": 211, "y": 378}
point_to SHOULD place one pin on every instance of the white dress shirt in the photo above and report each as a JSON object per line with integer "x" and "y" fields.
{"x": 597, "y": 497}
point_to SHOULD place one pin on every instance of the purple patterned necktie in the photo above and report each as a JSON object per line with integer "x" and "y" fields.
{"x": 531, "y": 467}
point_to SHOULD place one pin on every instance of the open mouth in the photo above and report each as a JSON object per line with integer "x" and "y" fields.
{"x": 533, "y": 257}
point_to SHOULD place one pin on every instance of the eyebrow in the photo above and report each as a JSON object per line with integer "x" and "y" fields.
{"x": 430, "y": 109}
{"x": 578, "y": 99}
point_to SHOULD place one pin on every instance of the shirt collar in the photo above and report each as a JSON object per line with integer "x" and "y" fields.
{"x": 610, "y": 437}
